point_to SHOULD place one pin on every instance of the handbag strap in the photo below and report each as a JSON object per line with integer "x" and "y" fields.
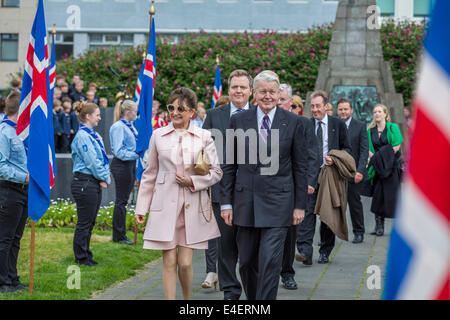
{"x": 210, "y": 206}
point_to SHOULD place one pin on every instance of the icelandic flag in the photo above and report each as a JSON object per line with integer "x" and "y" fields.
{"x": 35, "y": 122}
{"x": 418, "y": 266}
{"x": 144, "y": 98}
{"x": 217, "y": 87}
{"x": 52, "y": 80}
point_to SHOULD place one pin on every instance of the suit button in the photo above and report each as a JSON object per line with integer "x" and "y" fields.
{"x": 187, "y": 188}
{"x": 187, "y": 168}
{"x": 187, "y": 205}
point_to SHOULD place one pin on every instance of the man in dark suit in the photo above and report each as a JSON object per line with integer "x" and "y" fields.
{"x": 265, "y": 185}
{"x": 331, "y": 134}
{"x": 239, "y": 91}
{"x": 359, "y": 143}
{"x": 287, "y": 271}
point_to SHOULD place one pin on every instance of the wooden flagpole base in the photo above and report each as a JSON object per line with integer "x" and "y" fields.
{"x": 33, "y": 233}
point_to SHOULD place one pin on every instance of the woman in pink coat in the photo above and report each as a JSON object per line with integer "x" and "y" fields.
{"x": 180, "y": 218}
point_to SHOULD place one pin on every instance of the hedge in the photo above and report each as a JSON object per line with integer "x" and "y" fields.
{"x": 191, "y": 62}
{"x": 63, "y": 213}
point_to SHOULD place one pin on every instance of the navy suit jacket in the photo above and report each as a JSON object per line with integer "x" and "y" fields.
{"x": 359, "y": 142}
{"x": 219, "y": 118}
{"x": 337, "y": 138}
{"x": 265, "y": 201}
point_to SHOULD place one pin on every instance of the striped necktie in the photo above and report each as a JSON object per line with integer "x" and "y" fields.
{"x": 237, "y": 111}
{"x": 265, "y": 128}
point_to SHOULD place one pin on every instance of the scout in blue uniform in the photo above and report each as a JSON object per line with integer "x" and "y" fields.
{"x": 123, "y": 137}
{"x": 13, "y": 195}
{"x": 90, "y": 174}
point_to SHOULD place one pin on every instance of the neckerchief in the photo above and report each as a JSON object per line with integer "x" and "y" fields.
{"x": 9, "y": 122}
{"x": 97, "y": 138}
{"x": 128, "y": 124}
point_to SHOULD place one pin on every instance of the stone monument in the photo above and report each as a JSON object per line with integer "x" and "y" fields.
{"x": 355, "y": 68}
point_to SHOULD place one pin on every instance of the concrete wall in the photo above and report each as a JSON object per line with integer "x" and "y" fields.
{"x": 64, "y": 167}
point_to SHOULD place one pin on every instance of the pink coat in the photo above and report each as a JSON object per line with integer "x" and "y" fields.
{"x": 159, "y": 191}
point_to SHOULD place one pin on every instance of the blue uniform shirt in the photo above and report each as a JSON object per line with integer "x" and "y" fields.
{"x": 123, "y": 142}
{"x": 13, "y": 158}
{"x": 87, "y": 157}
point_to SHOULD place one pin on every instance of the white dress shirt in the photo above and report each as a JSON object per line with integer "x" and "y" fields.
{"x": 233, "y": 108}
{"x": 324, "y": 136}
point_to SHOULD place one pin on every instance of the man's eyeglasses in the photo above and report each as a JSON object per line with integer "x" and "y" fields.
{"x": 180, "y": 109}
{"x": 264, "y": 92}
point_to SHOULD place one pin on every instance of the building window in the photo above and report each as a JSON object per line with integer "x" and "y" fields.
{"x": 9, "y": 46}
{"x": 387, "y": 7}
{"x": 63, "y": 45}
{"x": 121, "y": 40}
{"x": 10, "y": 3}
{"x": 422, "y": 8}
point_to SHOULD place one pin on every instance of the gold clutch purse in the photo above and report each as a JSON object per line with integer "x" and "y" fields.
{"x": 201, "y": 168}
{"x": 203, "y": 164}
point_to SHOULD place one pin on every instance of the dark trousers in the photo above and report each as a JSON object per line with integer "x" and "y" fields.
{"x": 356, "y": 208}
{"x": 88, "y": 196}
{"x": 13, "y": 216}
{"x": 211, "y": 254}
{"x": 227, "y": 258}
{"x": 260, "y": 259}
{"x": 287, "y": 269}
{"x": 307, "y": 228}
{"x": 64, "y": 143}
{"x": 124, "y": 173}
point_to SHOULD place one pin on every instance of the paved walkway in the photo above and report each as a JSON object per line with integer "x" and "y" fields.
{"x": 352, "y": 270}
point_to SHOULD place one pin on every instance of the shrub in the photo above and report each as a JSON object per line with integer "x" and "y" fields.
{"x": 191, "y": 62}
{"x": 63, "y": 213}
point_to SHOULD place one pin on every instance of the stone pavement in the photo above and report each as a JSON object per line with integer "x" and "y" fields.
{"x": 351, "y": 273}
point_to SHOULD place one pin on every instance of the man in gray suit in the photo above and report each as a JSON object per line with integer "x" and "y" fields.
{"x": 239, "y": 91}
{"x": 359, "y": 142}
{"x": 264, "y": 185}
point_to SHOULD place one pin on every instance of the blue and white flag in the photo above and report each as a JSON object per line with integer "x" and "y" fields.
{"x": 418, "y": 266}
{"x": 35, "y": 122}
{"x": 144, "y": 98}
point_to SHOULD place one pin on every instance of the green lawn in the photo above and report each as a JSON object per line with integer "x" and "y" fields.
{"x": 54, "y": 256}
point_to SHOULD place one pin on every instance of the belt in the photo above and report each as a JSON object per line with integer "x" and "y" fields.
{"x": 85, "y": 176}
{"x": 7, "y": 183}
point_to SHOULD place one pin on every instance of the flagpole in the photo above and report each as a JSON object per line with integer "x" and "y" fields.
{"x": 152, "y": 13}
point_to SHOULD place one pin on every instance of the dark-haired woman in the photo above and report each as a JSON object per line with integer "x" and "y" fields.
{"x": 90, "y": 174}
{"x": 180, "y": 218}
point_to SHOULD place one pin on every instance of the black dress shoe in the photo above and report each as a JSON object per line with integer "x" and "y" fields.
{"x": 19, "y": 286}
{"x": 289, "y": 283}
{"x": 323, "y": 258}
{"x": 125, "y": 241}
{"x": 93, "y": 261}
{"x": 358, "y": 238}
{"x": 6, "y": 288}
{"x": 307, "y": 260}
{"x": 85, "y": 262}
